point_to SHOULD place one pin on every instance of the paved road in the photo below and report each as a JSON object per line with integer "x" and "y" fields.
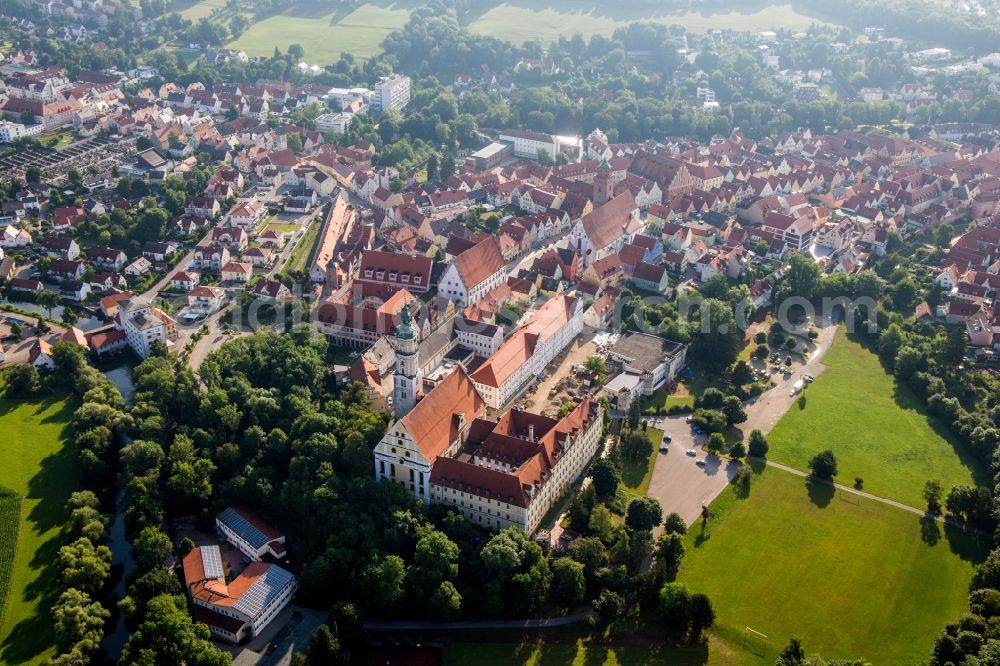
{"x": 765, "y": 412}
{"x": 683, "y": 487}
{"x": 534, "y": 623}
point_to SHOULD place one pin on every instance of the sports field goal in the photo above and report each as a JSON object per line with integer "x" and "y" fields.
{"x": 754, "y": 642}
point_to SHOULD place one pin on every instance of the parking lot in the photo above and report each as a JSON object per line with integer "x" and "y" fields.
{"x": 679, "y": 483}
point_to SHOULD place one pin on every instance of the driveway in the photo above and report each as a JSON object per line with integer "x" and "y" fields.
{"x": 765, "y": 412}
{"x": 682, "y": 486}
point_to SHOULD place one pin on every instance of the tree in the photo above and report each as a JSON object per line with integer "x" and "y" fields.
{"x": 716, "y": 442}
{"x": 590, "y": 552}
{"x": 932, "y": 495}
{"x": 33, "y": 175}
{"x": 85, "y": 566}
{"x": 75, "y": 178}
{"x": 432, "y": 168}
{"x": 382, "y": 583}
{"x": 568, "y": 581}
{"x": 446, "y": 167}
{"x": 643, "y": 514}
{"x": 674, "y": 523}
{"x": 732, "y": 407}
{"x": 517, "y": 565}
{"x": 636, "y": 446}
{"x": 324, "y": 649}
{"x": 823, "y": 465}
{"x": 710, "y": 420}
{"x": 68, "y": 317}
{"x": 737, "y": 450}
{"x": 168, "y": 635}
{"x": 610, "y": 606}
{"x": 792, "y": 654}
{"x": 802, "y": 277}
{"x": 435, "y": 560}
{"x": 23, "y": 380}
{"x": 716, "y": 338}
{"x": 78, "y": 619}
{"x": 48, "y": 300}
{"x": 742, "y": 374}
{"x": 294, "y": 143}
{"x": 596, "y": 366}
{"x": 445, "y": 602}
{"x": 605, "y": 476}
{"x": 600, "y": 523}
{"x": 152, "y": 548}
{"x": 670, "y": 551}
{"x": 675, "y": 602}
{"x": 702, "y": 615}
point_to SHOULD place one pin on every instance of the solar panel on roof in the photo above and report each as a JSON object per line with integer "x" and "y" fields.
{"x": 237, "y": 523}
{"x": 263, "y": 591}
{"x": 211, "y": 561}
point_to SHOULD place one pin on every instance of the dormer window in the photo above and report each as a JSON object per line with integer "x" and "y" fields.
{"x": 368, "y": 273}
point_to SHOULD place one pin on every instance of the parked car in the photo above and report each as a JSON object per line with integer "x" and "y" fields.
{"x": 691, "y": 452}
{"x": 667, "y": 438}
{"x": 700, "y": 463}
{"x": 663, "y": 449}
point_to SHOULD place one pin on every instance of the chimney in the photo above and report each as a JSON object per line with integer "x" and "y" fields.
{"x": 531, "y": 432}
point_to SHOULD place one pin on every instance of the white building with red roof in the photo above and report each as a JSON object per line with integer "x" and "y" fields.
{"x": 473, "y": 273}
{"x": 238, "y": 608}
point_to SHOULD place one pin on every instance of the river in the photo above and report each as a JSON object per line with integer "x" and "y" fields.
{"x": 121, "y": 551}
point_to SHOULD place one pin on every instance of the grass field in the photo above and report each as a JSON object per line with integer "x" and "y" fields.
{"x": 281, "y": 228}
{"x": 303, "y": 252}
{"x": 560, "y": 654}
{"x": 636, "y": 475}
{"x": 661, "y": 400}
{"x": 193, "y": 11}
{"x": 849, "y": 577}
{"x": 325, "y": 35}
{"x": 878, "y": 431}
{"x": 522, "y": 21}
{"x": 39, "y": 466}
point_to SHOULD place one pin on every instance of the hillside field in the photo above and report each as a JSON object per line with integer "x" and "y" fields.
{"x": 326, "y": 29}
{"x": 324, "y": 36}
{"x": 849, "y": 577}
{"x": 38, "y": 465}
{"x": 879, "y": 431}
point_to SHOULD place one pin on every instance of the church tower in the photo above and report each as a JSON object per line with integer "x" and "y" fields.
{"x": 408, "y": 378}
{"x": 602, "y": 184}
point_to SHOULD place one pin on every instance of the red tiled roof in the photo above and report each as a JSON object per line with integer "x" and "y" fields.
{"x": 433, "y": 422}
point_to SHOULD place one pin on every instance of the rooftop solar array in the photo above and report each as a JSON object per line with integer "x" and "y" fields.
{"x": 211, "y": 561}
{"x": 263, "y": 591}
{"x": 237, "y": 523}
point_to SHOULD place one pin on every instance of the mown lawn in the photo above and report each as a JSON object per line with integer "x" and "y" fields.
{"x": 847, "y": 576}
{"x": 39, "y": 465}
{"x": 324, "y": 36}
{"x": 661, "y": 401}
{"x": 878, "y": 430}
{"x": 562, "y": 654}
{"x": 545, "y": 22}
{"x": 637, "y": 474}
{"x": 302, "y": 253}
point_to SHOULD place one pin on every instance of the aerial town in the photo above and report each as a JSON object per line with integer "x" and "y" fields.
{"x": 473, "y": 343}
